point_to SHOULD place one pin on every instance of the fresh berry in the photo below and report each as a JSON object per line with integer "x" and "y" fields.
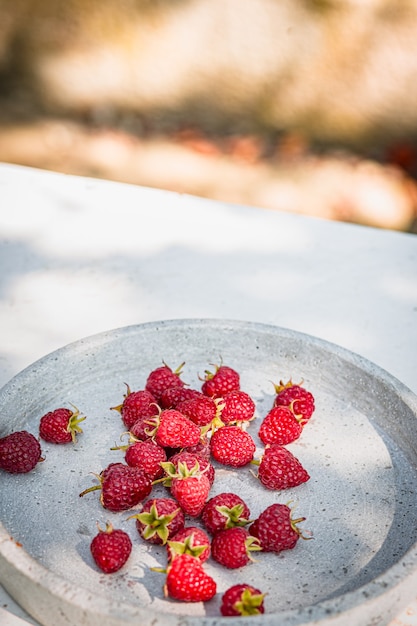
{"x": 225, "y": 510}
{"x": 232, "y": 547}
{"x": 230, "y": 445}
{"x": 190, "y": 488}
{"x": 172, "y": 396}
{"x": 136, "y": 405}
{"x": 220, "y": 382}
{"x": 110, "y": 549}
{"x": 175, "y": 430}
{"x": 162, "y": 378}
{"x": 19, "y": 452}
{"x": 187, "y": 581}
{"x": 60, "y": 425}
{"x": 122, "y": 487}
{"x": 159, "y": 520}
{"x": 242, "y": 599}
{"x": 144, "y": 428}
{"x": 238, "y": 406}
{"x": 189, "y": 540}
{"x": 201, "y": 410}
{"x": 194, "y": 461}
{"x": 148, "y": 455}
{"x": 280, "y": 469}
{"x": 279, "y": 426}
{"x": 297, "y": 398}
{"x": 275, "y": 528}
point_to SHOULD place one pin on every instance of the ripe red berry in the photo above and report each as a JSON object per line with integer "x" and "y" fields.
{"x": 122, "y": 487}
{"x": 136, "y": 405}
{"x": 242, "y": 599}
{"x": 175, "y": 430}
{"x": 148, "y": 455}
{"x": 201, "y": 409}
{"x": 280, "y": 469}
{"x": 238, "y": 406}
{"x": 191, "y": 491}
{"x": 60, "y": 426}
{"x": 225, "y": 510}
{"x": 19, "y": 452}
{"x": 110, "y": 549}
{"x": 230, "y": 445}
{"x": 189, "y": 540}
{"x": 162, "y": 378}
{"x": 232, "y": 547}
{"x": 193, "y": 461}
{"x": 275, "y": 528}
{"x": 279, "y": 426}
{"x": 172, "y": 396}
{"x": 159, "y": 520}
{"x": 187, "y": 581}
{"x": 297, "y": 398}
{"x": 220, "y": 382}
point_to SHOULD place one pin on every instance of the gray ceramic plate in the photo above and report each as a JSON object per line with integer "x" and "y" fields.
{"x": 360, "y": 503}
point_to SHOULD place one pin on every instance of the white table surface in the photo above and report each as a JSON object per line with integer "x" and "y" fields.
{"x": 79, "y": 256}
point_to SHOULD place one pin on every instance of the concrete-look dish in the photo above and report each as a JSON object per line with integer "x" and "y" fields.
{"x": 360, "y": 567}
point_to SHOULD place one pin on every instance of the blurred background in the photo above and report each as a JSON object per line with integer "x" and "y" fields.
{"x": 308, "y": 106}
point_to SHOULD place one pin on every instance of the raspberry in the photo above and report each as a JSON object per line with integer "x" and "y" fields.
{"x": 275, "y": 528}
{"x": 187, "y": 581}
{"x": 242, "y": 599}
{"x": 220, "y": 382}
{"x": 189, "y": 540}
{"x": 225, "y": 510}
{"x": 110, "y": 549}
{"x": 19, "y": 452}
{"x": 297, "y": 398}
{"x": 162, "y": 378}
{"x": 232, "y": 547}
{"x": 122, "y": 487}
{"x": 238, "y": 406}
{"x": 230, "y": 445}
{"x": 60, "y": 426}
{"x": 159, "y": 520}
{"x": 136, "y": 405}
{"x": 280, "y": 469}
{"x": 279, "y": 426}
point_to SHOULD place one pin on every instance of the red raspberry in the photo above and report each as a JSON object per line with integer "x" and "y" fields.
{"x": 275, "y": 528}
{"x": 242, "y": 599}
{"x": 175, "y": 430}
{"x": 280, "y": 469}
{"x": 19, "y": 452}
{"x": 159, "y": 520}
{"x": 60, "y": 426}
{"x": 162, "y": 378}
{"x": 225, "y": 510}
{"x": 122, "y": 487}
{"x": 172, "y": 396}
{"x": 189, "y": 540}
{"x": 148, "y": 455}
{"x": 232, "y": 547}
{"x": 297, "y": 398}
{"x": 144, "y": 428}
{"x": 136, "y": 405}
{"x": 201, "y": 410}
{"x": 220, "y": 382}
{"x": 279, "y": 426}
{"x": 187, "y": 581}
{"x": 191, "y": 491}
{"x": 110, "y": 549}
{"x": 238, "y": 406}
{"x": 195, "y": 461}
{"x": 230, "y": 445}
